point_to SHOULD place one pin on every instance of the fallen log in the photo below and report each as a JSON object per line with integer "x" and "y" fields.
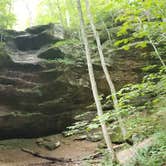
{"x": 54, "y": 159}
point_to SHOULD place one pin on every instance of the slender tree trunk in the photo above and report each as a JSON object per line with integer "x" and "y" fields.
{"x": 29, "y": 13}
{"x": 106, "y": 72}
{"x": 67, "y": 18}
{"x": 67, "y": 14}
{"x": 107, "y": 1}
{"x": 108, "y": 33}
{"x": 152, "y": 43}
{"x": 1, "y": 33}
{"x": 60, "y": 13}
{"x": 156, "y": 51}
{"x": 93, "y": 83}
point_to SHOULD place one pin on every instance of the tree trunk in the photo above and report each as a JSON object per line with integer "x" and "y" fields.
{"x": 67, "y": 18}
{"x": 107, "y": 1}
{"x": 29, "y": 13}
{"x": 152, "y": 43}
{"x": 106, "y": 72}
{"x": 93, "y": 83}
{"x": 60, "y": 13}
{"x": 108, "y": 33}
{"x": 67, "y": 14}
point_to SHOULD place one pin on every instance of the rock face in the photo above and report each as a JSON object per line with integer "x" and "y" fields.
{"x": 38, "y": 94}
{"x": 44, "y": 81}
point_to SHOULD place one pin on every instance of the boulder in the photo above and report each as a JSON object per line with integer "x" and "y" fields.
{"x": 51, "y": 53}
{"x": 35, "y": 37}
{"x": 94, "y": 137}
{"x": 48, "y": 144}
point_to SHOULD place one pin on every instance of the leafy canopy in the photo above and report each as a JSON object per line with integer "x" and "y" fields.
{"x": 7, "y": 18}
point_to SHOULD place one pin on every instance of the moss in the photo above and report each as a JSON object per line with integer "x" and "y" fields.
{"x": 52, "y": 53}
{"x": 66, "y": 42}
{"x": 116, "y": 136}
{"x": 5, "y": 59}
{"x": 139, "y": 126}
{"x": 145, "y": 124}
{"x": 151, "y": 155}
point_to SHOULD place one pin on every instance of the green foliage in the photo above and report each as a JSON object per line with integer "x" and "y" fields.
{"x": 2, "y": 47}
{"x": 137, "y": 104}
{"x": 154, "y": 155}
{"x": 149, "y": 68}
{"x": 136, "y": 100}
{"x": 48, "y": 11}
{"x": 142, "y": 20}
{"x": 142, "y": 44}
{"x": 95, "y": 123}
{"x": 141, "y": 96}
{"x": 76, "y": 128}
{"x": 4, "y": 57}
{"x": 7, "y": 19}
{"x": 144, "y": 124}
{"x": 56, "y": 11}
{"x": 72, "y": 42}
{"x": 106, "y": 161}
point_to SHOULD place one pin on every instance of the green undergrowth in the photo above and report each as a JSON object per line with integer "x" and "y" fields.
{"x": 152, "y": 155}
{"x": 143, "y": 110}
{"x": 4, "y": 57}
{"x": 68, "y": 42}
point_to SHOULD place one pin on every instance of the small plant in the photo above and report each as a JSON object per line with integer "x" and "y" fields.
{"x": 77, "y": 128}
{"x": 153, "y": 155}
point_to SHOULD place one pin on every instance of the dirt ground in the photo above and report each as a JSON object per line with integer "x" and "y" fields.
{"x": 69, "y": 149}
{"x": 76, "y": 150}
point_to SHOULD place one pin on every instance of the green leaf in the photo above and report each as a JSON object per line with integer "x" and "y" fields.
{"x": 126, "y": 47}
{"x": 141, "y": 44}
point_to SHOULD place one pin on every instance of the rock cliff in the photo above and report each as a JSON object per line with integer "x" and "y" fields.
{"x": 44, "y": 79}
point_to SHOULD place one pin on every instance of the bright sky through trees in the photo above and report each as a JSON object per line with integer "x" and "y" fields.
{"x": 23, "y": 9}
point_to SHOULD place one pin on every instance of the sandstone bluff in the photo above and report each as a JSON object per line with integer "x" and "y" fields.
{"x": 44, "y": 80}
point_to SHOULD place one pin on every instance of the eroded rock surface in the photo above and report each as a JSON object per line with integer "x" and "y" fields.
{"x": 44, "y": 80}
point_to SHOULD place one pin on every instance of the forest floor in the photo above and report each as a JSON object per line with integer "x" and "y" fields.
{"x": 76, "y": 150}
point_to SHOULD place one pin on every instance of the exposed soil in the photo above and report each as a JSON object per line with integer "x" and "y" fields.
{"x": 12, "y": 155}
{"x": 69, "y": 149}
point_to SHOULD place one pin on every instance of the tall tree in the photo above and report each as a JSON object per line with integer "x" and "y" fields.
{"x": 60, "y": 13}
{"x": 93, "y": 83}
{"x": 49, "y": 11}
{"x": 105, "y": 69}
{"x": 67, "y": 14}
{"x": 29, "y": 11}
{"x": 7, "y": 18}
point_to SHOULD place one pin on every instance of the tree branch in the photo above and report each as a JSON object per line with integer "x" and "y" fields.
{"x": 54, "y": 159}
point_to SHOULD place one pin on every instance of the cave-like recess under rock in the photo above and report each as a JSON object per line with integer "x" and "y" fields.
{"x": 43, "y": 86}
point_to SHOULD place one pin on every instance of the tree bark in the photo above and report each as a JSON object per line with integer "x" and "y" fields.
{"x": 106, "y": 72}
{"x": 67, "y": 14}
{"x": 60, "y": 13}
{"x": 93, "y": 83}
{"x": 108, "y": 33}
{"x": 29, "y": 13}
